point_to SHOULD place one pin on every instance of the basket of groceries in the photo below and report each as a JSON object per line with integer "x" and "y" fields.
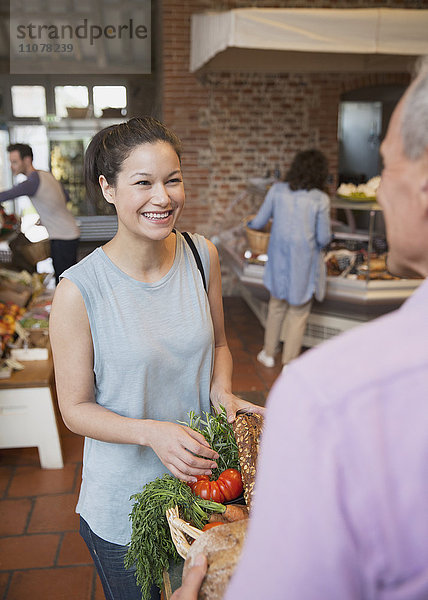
{"x": 171, "y": 519}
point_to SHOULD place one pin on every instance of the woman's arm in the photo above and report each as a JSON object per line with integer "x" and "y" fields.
{"x": 221, "y": 383}
{"x": 265, "y": 211}
{"x": 323, "y": 224}
{"x": 72, "y": 350}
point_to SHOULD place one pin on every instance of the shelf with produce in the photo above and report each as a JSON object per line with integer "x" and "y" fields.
{"x": 24, "y": 313}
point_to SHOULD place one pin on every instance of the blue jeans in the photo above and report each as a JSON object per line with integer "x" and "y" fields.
{"x": 118, "y": 583}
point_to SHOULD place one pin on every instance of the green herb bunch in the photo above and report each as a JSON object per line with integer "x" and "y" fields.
{"x": 151, "y": 548}
{"x": 219, "y": 434}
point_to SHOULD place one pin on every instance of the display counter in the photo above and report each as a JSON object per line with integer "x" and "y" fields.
{"x": 349, "y": 301}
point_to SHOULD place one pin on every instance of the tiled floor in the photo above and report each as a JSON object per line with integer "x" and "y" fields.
{"x": 42, "y": 556}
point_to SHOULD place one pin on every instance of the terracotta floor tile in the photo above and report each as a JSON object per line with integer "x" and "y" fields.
{"x": 247, "y": 378}
{"x": 13, "y": 516}
{"x": 62, "y": 429}
{"x": 78, "y": 480}
{"x": 99, "y": 592}
{"x": 253, "y": 348}
{"x": 241, "y": 358}
{"x": 67, "y": 583}
{"x": 54, "y": 513}
{"x": 4, "y": 582}
{"x": 73, "y": 550}
{"x": 267, "y": 374}
{"x": 32, "y": 481}
{"x": 72, "y": 448}
{"x": 235, "y": 344}
{"x": 5, "y": 477}
{"x": 20, "y": 456}
{"x": 28, "y": 551}
{"x": 258, "y": 398}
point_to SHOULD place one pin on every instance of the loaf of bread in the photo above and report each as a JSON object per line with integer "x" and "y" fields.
{"x": 222, "y": 546}
{"x": 248, "y": 429}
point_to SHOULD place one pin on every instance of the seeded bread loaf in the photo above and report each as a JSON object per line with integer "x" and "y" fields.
{"x": 248, "y": 429}
{"x": 222, "y": 546}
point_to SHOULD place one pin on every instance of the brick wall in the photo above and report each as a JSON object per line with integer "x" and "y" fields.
{"x": 236, "y": 126}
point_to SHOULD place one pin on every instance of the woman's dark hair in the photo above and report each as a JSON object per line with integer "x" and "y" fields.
{"x": 111, "y": 146}
{"x": 308, "y": 170}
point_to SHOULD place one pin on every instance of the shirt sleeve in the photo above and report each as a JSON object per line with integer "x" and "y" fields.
{"x": 27, "y": 188}
{"x": 323, "y": 224}
{"x": 265, "y": 211}
{"x": 299, "y": 544}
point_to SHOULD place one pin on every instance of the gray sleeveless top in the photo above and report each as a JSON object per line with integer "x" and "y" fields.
{"x": 153, "y": 359}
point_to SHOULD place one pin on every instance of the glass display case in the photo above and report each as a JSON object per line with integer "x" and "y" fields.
{"x": 358, "y": 289}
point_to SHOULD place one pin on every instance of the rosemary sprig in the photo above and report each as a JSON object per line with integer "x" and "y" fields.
{"x": 219, "y": 434}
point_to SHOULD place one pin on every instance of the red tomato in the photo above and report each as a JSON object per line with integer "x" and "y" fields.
{"x": 192, "y": 484}
{"x": 211, "y": 525}
{"x": 202, "y": 488}
{"x": 227, "y": 487}
{"x": 230, "y": 483}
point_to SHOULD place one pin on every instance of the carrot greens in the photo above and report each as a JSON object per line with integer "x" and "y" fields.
{"x": 151, "y": 548}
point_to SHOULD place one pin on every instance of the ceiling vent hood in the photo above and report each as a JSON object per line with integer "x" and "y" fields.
{"x": 301, "y": 39}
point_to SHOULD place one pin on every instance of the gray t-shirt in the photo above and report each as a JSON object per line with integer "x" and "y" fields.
{"x": 50, "y": 201}
{"x": 153, "y": 359}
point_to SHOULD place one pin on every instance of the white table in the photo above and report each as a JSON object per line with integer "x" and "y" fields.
{"x": 27, "y": 412}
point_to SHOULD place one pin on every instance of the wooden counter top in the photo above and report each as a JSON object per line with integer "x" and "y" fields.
{"x": 36, "y": 373}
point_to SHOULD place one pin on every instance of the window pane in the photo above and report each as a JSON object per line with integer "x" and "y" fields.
{"x": 70, "y": 96}
{"x": 28, "y": 101}
{"x": 109, "y": 96}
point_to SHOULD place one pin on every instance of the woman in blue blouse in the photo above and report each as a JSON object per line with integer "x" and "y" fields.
{"x": 295, "y": 271}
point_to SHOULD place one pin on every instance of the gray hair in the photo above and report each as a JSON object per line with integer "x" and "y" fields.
{"x": 415, "y": 114}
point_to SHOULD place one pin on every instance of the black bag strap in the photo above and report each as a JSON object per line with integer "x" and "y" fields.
{"x": 196, "y": 255}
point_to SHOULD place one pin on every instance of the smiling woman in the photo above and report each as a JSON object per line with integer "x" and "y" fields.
{"x": 134, "y": 321}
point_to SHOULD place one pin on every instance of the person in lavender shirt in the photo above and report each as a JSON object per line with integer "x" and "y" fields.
{"x": 341, "y": 497}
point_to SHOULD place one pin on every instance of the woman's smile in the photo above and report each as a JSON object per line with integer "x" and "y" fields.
{"x": 157, "y": 216}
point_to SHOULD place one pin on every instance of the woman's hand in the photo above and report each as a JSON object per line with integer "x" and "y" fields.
{"x": 233, "y": 403}
{"x": 181, "y": 450}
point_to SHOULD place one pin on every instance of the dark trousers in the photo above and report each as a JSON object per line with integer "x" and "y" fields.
{"x": 118, "y": 583}
{"x": 64, "y": 255}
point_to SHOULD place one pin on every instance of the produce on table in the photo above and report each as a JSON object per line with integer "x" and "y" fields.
{"x": 227, "y": 487}
{"x": 8, "y": 223}
{"x": 219, "y": 435}
{"x": 151, "y": 548}
{"x": 32, "y": 322}
{"x": 9, "y": 314}
{"x": 222, "y": 546}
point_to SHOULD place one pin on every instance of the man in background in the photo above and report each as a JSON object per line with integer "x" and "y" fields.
{"x": 341, "y": 497}
{"x": 50, "y": 201}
